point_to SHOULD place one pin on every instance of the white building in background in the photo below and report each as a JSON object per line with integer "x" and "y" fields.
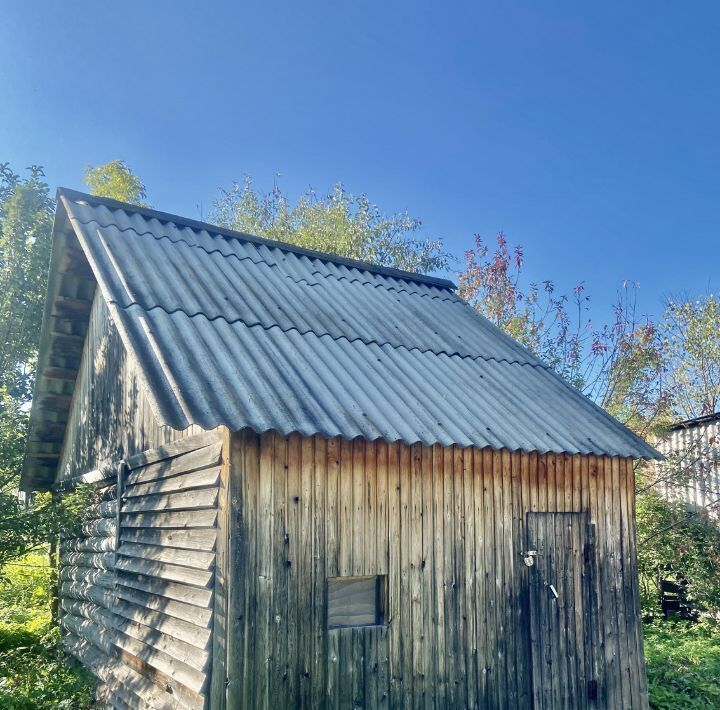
{"x": 693, "y": 448}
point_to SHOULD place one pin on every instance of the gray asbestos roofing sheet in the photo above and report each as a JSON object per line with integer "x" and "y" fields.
{"x": 237, "y": 332}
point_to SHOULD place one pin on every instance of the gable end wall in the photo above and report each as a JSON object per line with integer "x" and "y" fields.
{"x": 110, "y": 415}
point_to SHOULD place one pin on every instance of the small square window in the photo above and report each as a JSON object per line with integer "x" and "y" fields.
{"x": 356, "y": 601}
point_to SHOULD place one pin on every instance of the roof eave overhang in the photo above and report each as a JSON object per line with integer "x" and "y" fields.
{"x": 70, "y": 292}
{"x": 66, "y": 193}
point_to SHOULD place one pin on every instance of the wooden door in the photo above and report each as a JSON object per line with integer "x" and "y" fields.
{"x": 560, "y": 610}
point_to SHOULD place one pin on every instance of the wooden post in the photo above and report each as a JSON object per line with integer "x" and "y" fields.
{"x": 54, "y": 555}
{"x": 121, "y": 471}
{"x": 219, "y": 671}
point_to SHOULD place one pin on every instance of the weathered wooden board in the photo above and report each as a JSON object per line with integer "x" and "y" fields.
{"x": 191, "y": 678}
{"x": 98, "y": 476}
{"x": 448, "y": 528}
{"x": 162, "y": 571}
{"x": 124, "y": 681}
{"x": 189, "y": 500}
{"x": 172, "y": 590}
{"x": 184, "y": 696}
{"x": 177, "y": 649}
{"x": 186, "y": 612}
{"x": 188, "y": 558}
{"x": 100, "y": 560}
{"x": 110, "y": 618}
{"x": 105, "y": 509}
{"x": 181, "y": 445}
{"x": 90, "y": 630}
{"x": 102, "y": 578}
{"x": 218, "y": 679}
{"x": 197, "y": 479}
{"x": 88, "y": 544}
{"x": 99, "y": 527}
{"x": 203, "y": 540}
{"x": 103, "y": 596}
{"x": 181, "y": 519}
{"x": 88, "y": 610}
{"x": 190, "y": 632}
{"x": 354, "y": 601}
{"x": 190, "y": 461}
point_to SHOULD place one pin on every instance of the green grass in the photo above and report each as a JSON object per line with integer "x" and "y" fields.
{"x": 683, "y": 665}
{"x": 33, "y": 673}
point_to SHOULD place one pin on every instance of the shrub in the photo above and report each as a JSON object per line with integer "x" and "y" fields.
{"x": 33, "y": 672}
{"x": 683, "y": 665}
{"x": 677, "y": 546}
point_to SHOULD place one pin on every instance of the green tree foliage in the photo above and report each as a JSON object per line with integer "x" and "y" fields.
{"x": 26, "y": 214}
{"x": 692, "y": 330}
{"x": 680, "y": 546}
{"x": 338, "y": 223}
{"x": 26, "y": 211}
{"x": 33, "y": 672}
{"x": 617, "y": 364}
{"x": 115, "y": 180}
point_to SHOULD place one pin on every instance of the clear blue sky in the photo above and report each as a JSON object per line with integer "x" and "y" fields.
{"x": 588, "y": 132}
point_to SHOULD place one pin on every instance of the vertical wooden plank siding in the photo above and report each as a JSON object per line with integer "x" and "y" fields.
{"x": 110, "y": 415}
{"x": 447, "y": 526}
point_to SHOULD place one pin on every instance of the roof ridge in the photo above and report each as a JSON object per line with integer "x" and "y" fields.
{"x": 451, "y": 295}
{"x": 694, "y": 421}
{"x": 75, "y": 195}
{"x": 538, "y": 364}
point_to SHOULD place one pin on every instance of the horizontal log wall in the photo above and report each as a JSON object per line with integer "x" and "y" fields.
{"x": 447, "y": 526}
{"x": 110, "y": 413}
{"x": 87, "y": 579}
{"x": 137, "y": 600}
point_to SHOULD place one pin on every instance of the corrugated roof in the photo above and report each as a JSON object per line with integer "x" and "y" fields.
{"x": 696, "y": 421}
{"x": 198, "y": 273}
{"x": 235, "y": 330}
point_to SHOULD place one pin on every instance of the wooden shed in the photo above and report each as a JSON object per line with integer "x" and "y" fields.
{"x": 321, "y": 483}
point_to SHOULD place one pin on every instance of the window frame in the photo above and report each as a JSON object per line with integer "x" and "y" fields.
{"x": 333, "y": 616}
